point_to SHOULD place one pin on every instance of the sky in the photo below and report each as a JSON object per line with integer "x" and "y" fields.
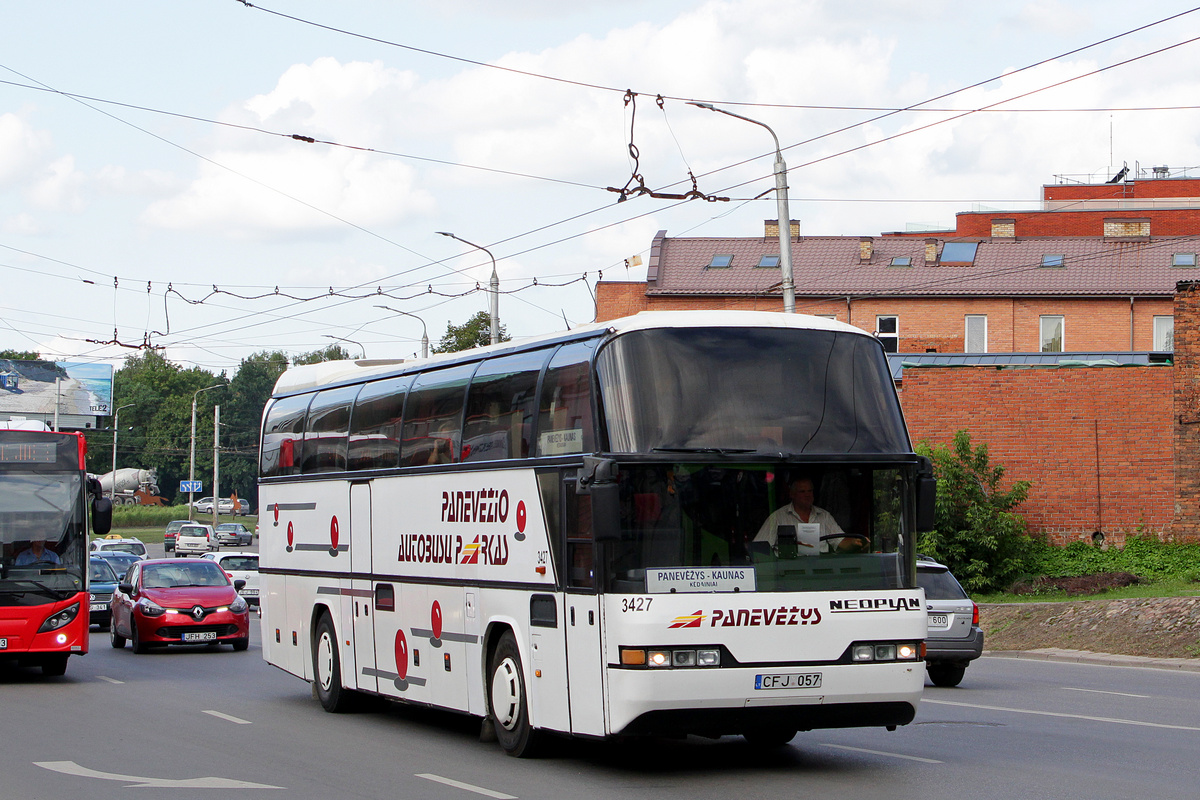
{"x": 153, "y": 193}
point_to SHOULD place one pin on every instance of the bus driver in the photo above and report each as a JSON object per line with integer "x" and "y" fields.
{"x": 802, "y": 511}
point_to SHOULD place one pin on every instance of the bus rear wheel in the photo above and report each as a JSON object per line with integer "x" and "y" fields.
{"x": 327, "y": 669}
{"x": 509, "y": 701}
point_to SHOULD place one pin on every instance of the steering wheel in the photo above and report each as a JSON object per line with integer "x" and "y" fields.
{"x": 863, "y": 538}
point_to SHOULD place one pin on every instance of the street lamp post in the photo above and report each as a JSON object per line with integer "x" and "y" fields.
{"x": 424, "y": 330}
{"x": 494, "y": 286}
{"x": 192, "y": 457}
{"x": 116, "y": 427}
{"x": 781, "y": 200}
{"x": 351, "y": 341}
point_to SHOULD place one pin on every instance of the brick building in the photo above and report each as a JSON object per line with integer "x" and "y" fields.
{"x": 1094, "y": 269}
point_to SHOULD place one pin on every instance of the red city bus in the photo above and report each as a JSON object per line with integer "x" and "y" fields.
{"x": 44, "y": 491}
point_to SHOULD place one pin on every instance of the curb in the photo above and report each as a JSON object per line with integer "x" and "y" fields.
{"x": 1104, "y": 659}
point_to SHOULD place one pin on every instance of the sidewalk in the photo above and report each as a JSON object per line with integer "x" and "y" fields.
{"x": 1108, "y": 659}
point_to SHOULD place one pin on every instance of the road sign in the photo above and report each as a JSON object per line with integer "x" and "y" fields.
{"x": 191, "y": 486}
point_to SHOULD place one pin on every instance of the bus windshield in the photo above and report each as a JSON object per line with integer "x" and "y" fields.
{"x": 42, "y": 535}
{"x": 678, "y": 517}
{"x": 764, "y": 390}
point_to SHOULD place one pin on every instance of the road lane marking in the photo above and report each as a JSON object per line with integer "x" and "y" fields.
{"x": 71, "y": 768}
{"x": 110, "y": 680}
{"x": 228, "y": 718}
{"x": 1116, "y": 720}
{"x": 1101, "y": 691}
{"x": 882, "y": 753}
{"x": 466, "y": 786}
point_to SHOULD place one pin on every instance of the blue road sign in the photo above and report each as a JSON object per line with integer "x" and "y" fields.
{"x": 191, "y": 486}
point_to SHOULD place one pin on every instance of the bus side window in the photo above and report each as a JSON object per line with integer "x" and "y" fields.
{"x": 327, "y": 430}
{"x": 501, "y": 407}
{"x": 577, "y": 517}
{"x": 565, "y": 423}
{"x": 375, "y": 424}
{"x": 283, "y": 436}
{"x": 433, "y": 416}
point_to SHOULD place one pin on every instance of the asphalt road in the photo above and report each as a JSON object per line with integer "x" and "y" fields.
{"x": 206, "y": 722}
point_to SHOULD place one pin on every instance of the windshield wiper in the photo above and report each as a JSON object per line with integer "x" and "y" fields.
{"x": 725, "y": 451}
{"x": 60, "y": 594}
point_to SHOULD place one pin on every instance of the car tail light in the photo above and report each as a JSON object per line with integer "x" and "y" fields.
{"x": 975, "y": 613}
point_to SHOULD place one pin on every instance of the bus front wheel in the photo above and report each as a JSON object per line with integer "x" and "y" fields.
{"x": 509, "y": 701}
{"x": 53, "y": 666}
{"x": 327, "y": 669}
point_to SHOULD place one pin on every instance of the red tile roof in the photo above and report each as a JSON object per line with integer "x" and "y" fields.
{"x": 831, "y": 266}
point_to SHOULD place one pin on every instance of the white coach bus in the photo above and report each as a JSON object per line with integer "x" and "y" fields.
{"x": 570, "y": 534}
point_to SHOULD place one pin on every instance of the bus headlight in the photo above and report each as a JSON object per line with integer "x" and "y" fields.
{"x": 885, "y": 651}
{"x": 56, "y": 621}
{"x": 664, "y": 658}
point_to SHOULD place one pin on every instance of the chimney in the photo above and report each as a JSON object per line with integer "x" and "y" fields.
{"x": 1004, "y": 229}
{"x": 771, "y": 227}
{"x": 930, "y": 252}
{"x": 866, "y": 248}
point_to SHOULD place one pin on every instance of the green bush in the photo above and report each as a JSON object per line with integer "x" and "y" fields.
{"x": 147, "y": 516}
{"x": 1144, "y": 556}
{"x": 976, "y": 534}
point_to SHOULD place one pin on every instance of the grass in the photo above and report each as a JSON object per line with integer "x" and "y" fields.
{"x": 1165, "y": 587}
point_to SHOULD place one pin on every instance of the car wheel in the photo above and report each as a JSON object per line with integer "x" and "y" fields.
{"x": 138, "y": 645}
{"x": 946, "y": 674}
{"x": 53, "y": 666}
{"x": 770, "y": 736}
{"x": 118, "y": 641}
{"x": 241, "y": 644}
{"x": 327, "y": 669}
{"x": 508, "y": 700}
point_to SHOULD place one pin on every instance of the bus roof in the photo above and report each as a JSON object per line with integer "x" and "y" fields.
{"x": 336, "y": 373}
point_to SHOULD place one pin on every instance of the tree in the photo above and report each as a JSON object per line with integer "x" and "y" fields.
{"x": 241, "y": 418}
{"x": 334, "y": 352}
{"x": 475, "y": 332}
{"x": 20, "y": 355}
{"x": 976, "y": 534}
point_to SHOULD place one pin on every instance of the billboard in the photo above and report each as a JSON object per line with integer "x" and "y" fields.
{"x": 41, "y": 387}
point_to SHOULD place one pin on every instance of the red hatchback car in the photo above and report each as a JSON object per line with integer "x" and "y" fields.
{"x": 178, "y": 601}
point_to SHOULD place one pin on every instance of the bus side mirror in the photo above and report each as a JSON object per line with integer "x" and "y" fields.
{"x": 101, "y": 515}
{"x": 926, "y": 496}
{"x": 606, "y": 512}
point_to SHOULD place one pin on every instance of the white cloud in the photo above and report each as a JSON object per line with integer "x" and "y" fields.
{"x": 23, "y": 224}
{"x": 21, "y": 148}
{"x": 59, "y": 186}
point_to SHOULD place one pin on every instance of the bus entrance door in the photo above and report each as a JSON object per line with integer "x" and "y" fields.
{"x": 360, "y": 586}
{"x": 585, "y": 664}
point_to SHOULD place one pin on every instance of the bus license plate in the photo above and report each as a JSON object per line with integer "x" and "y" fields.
{"x": 789, "y": 680}
{"x": 3, "y": 644}
{"x": 200, "y": 636}
{"x": 939, "y": 620}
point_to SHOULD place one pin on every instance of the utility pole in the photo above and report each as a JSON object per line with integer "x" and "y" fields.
{"x": 192, "y": 457}
{"x": 781, "y": 205}
{"x": 493, "y": 283}
{"x": 216, "y": 466}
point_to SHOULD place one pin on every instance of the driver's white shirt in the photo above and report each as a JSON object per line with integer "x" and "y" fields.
{"x": 786, "y": 515}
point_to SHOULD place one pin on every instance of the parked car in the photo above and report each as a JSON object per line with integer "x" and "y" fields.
{"x": 102, "y": 582}
{"x": 195, "y": 538}
{"x": 233, "y": 534}
{"x": 954, "y": 638}
{"x": 173, "y": 601}
{"x": 131, "y": 546}
{"x": 224, "y": 506}
{"x": 240, "y": 567}
{"x": 118, "y": 560}
{"x": 172, "y": 529}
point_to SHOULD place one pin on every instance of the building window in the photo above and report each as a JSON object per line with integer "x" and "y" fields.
{"x": 769, "y": 261}
{"x": 1183, "y": 260}
{"x": 959, "y": 252}
{"x": 720, "y": 262}
{"x": 902, "y": 261}
{"x": 1052, "y": 334}
{"x": 888, "y": 330}
{"x": 975, "y": 340}
{"x": 1164, "y": 334}
{"x": 1057, "y": 260}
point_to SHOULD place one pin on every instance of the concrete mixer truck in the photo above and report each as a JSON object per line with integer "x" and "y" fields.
{"x": 132, "y": 487}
